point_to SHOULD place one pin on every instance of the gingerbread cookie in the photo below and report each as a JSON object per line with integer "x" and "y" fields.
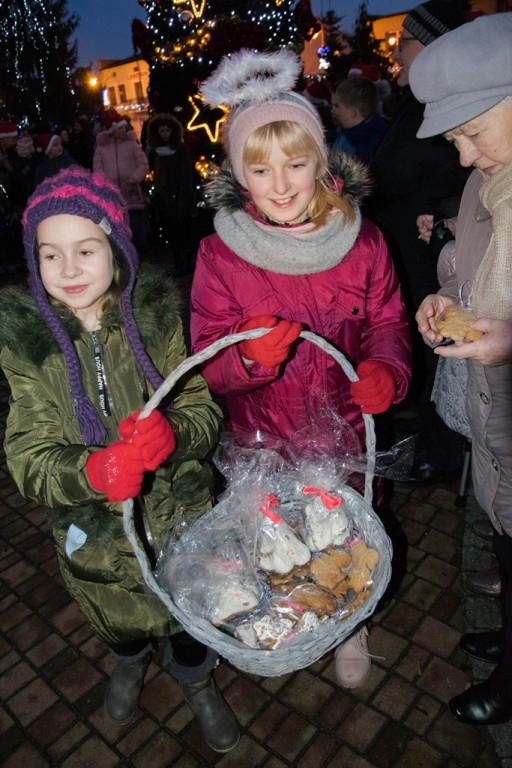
{"x": 454, "y": 323}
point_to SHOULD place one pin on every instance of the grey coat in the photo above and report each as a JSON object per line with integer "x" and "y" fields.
{"x": 489, "y": 388}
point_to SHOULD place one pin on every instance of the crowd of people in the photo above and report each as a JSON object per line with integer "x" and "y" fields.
{"x": 335, "y": 222}
{"x": 161, "y": 208}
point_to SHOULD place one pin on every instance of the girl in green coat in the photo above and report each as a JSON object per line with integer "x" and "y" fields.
{"x": 82, "y": 354}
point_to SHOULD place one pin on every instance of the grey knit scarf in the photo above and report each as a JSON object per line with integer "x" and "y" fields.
{"x": 290, "y": 251}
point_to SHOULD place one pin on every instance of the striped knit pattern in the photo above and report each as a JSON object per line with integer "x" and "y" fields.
{"x": 430, "y": 20}
{"x": 78, "y": 192}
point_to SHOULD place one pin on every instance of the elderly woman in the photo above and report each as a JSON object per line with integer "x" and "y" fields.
{"x": 465, "y": 80}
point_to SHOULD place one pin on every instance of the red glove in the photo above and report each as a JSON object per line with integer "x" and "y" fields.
{"x": 273, "y": 348}
{"x": 116, "y": 471}
{"x": 153, "y": 436}
{"x": 376, "y": 388}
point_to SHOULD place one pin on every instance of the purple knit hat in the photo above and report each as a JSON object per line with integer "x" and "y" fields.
{"x": 78, "y": 192}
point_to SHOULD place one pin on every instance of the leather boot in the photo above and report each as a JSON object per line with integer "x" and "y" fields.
{"x": 486, "y": 583}
{"x": 218, "y": 724}
{"x": 485, "y": 646}
{"x": 482, "y": 704}
{"x": 123, "y": 689}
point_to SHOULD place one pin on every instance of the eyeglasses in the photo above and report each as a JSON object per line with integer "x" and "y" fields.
{"x": 402, "y": 40}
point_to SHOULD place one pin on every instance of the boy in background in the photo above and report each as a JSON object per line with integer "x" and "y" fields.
{"x": 354, "y": 108}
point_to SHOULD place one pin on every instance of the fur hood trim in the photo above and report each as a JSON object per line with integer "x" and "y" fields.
{"x": 224, "y": 191}
{"x": 156, "y": 307}
{"x": 164, "y": 118}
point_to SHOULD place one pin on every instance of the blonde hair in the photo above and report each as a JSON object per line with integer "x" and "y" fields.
{"x": 294, "y": 140}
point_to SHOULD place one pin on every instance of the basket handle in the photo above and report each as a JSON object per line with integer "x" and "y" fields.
{"x": 235, "y": 338}
{"x": 167, "y": 385}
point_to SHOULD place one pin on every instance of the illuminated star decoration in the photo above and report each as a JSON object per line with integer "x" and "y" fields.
{"x": 209, "y": 117}
{"x": 197, "y": 7}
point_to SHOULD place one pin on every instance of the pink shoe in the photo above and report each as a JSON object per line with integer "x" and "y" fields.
{"x": 353, "y": 662}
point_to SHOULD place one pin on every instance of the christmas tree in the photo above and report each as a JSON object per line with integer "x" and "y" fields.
{"x": 36, "y": 76}
{"x": 184, "y": 40}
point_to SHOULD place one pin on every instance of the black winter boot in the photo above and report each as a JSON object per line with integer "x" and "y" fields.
{"x": 218, "y": 724}
{"x": 124, "y": 688}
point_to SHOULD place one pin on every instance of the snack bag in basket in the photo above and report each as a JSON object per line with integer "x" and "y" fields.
{"x": 209, "y": 573}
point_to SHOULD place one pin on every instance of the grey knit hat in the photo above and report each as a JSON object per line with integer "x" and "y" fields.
{"x": 464, "y": 73}
{"x": 429, "y": 21}
{"x": 78, "y": 192}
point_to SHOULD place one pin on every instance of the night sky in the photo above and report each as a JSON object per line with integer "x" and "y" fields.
{"x": 105, "y": 25}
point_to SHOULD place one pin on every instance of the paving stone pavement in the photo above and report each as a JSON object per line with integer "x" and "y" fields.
{"x": 53, "y": 671}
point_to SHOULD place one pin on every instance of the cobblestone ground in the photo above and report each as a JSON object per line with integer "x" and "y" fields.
{"x": 53, "y": 671}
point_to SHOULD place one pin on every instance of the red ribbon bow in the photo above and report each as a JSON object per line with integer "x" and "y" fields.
{"x": 329, "y": 501}
{"x": 271, "y": 501}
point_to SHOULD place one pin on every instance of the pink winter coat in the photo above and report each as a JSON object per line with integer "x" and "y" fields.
{"x": 124, "y": 162}
{"x": 355, "y": 305}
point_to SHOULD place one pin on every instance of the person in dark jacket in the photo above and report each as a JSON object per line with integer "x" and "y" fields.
{"x": 82, "y": 143}
{"x": 16, "y": 184}
{"x": 414, "y": 177}
{"x": 174, "y": 198}
{"x": 82, "y": 356}
{"x": 55, "y": 158}
{"x": 291, "y": 250}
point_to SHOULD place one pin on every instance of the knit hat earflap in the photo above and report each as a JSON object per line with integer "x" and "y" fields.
{"x": 78, "y": 192}
{"x": 256, "y": 87}
{"x": 428, "y": 21}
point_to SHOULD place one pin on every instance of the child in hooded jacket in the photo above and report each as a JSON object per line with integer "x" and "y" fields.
{"x": 82, "y": 353}
{"x": 291, "y": 251}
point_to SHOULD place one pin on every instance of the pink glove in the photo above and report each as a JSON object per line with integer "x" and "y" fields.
{"x": 273, "y": 348}
{"x": 117, "y": 471}
{"x": 376, "y": 388}
{"x": 153, "y": 436}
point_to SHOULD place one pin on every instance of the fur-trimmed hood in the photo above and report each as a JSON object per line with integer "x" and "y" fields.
{"x": 224, "y": 191}
{"x": 164, "y": 118}
{"x": 156, "y": 306}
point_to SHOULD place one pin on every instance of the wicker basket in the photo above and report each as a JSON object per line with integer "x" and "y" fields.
{"x": 329, "y": 634}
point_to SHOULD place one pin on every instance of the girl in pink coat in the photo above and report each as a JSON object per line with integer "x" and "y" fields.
{"x": 119, "y": 156}
{"x": 291, "y": 251}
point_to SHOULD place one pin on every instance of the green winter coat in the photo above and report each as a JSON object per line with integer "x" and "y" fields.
{"x": 46, "y": 455}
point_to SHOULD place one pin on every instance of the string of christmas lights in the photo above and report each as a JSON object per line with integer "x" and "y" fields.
{"x": 34, "y": 51}
{"x": 181, "y": 29}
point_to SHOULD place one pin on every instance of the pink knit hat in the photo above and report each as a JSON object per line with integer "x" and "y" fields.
{"x": 256, "y": 87}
